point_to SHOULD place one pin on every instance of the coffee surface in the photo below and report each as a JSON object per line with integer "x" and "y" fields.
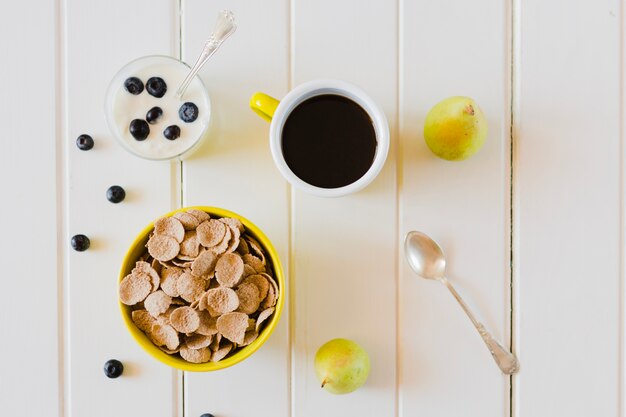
{"x": 329, "y": 141}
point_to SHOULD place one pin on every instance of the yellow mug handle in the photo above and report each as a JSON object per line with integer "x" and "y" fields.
{"x": 263, "y": 105}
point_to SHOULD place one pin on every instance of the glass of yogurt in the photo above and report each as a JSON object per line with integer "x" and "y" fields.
{"x": 146, "y": 117}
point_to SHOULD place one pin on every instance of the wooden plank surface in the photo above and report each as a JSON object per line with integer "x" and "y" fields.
{"x": 346, "y": 270}
{"x": 233, "y": 169}
{"x": 569, "y": 211}
{"x": 344, "y": 249}
{"x": 95, "y": 331}
{"x": 31, "y": 352}
{"x": 455, "y": 48}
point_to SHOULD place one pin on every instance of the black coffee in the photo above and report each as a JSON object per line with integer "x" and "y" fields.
{"x": 329, "y": 141}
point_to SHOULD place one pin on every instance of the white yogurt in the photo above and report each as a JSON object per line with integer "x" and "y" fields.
{"x": 122, "y": 107}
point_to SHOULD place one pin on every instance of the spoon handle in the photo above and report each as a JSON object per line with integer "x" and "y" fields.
{"x": 224, "y": 27}
{"x": 506, "y": 361}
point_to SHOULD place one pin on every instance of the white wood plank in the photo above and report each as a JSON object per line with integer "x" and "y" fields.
{"x": 233, "y": 169}
{"x": 100, "y": 38}
{"x": 568, "y": 220}
{"x": 28, "y": 80}
{"x": 452, "y": 48}
{"x": 344, "y": 249}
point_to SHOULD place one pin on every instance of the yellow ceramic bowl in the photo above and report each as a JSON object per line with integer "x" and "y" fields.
{"x": 138, "y": 248}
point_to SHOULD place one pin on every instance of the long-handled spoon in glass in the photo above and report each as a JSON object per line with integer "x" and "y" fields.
{"x": 224, "y": 27}
{"x": 428, "y": 261}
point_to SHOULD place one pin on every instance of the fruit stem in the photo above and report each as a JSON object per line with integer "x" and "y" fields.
{"x": 469, "y": 109}
{"x": 324, "y": 382}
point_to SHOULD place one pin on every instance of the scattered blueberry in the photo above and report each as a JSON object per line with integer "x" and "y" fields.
{"x": 113, "y": 368}
{"x": 188, "y": 112}
{"x": 84, "y": 142}
{"x": 133, "y": 85}
{"x": 139, "y": 129}
{"x": 207, "y": 415}
{"x": 153, "y": 115}
{"x": 156, "y": 87}
{"x": 116, "y": 194}
{"x": 80, "y": 243}
{"x": 171, "y": 132}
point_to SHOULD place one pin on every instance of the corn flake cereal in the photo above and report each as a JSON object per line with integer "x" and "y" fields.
{"x": 233, "y": 326}
{"x": 202, "y": 216}
{"x": 185, "y": 319}
{"x": 157, "y": 303}
{"x": 229, "y": 269}
{"x": 170, "y": 226}
{"x": 260, "y": 282}
{"x": 204, "y": 264}
{"x": 177, "y": 303}
{"x": 135, "y": 288}
{"x": 145, "y": 267}
{"x": 263, "y": 316}
{"x": 249, "y": 299}
{"x": 254, "y": 262}
{"x": 190, "y": 287}
{"x": 221, "y": 353}
{"x": 198, "y": 341}
{"x": 163, "y": 248}
{"x": 190, "y": 246}
{"x": 195, "y": 355}
{"x": 164, "y": 335}
{"x": 189, "y": 221}
{"x": 169, "y": 278}
{"x": 143, "y": 320}
{"x": 221, "y": 300}
{"x": 211, "y": 232}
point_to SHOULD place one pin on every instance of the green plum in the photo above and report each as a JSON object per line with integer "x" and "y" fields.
{"x": 342, "y": 366}
{"x": 455, "y": 128}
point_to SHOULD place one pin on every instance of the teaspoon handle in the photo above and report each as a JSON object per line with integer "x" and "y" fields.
{"x": 506, "y": 361}
{"x": 224, "y": 27}
{"x": 209, "y": 49}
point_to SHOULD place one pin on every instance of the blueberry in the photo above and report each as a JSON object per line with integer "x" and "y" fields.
{"x": 80, "y": 243}
{"x": 153, "y": 115}
{"x": 139, "y": 129}
{"x": 188, "y": 112}
{"x": 84, "y": 142}
{"x": 113, "y": 368}
{"x": 133, "y": 85}
{"x": 116, "y": 194}
{"x": 171, "y": 132}
{"x": 156, "y": 87}
{"x": 207, "y": 415}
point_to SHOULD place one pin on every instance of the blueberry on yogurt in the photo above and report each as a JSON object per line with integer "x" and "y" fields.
{"x": 133, "y": 85}
{"x": 139, "y": 129}
{"x": 153, "y": 115}
{"x": 188, "y": 112}
{"x": 171, "y": 132}
{"x": 156, "y": 87}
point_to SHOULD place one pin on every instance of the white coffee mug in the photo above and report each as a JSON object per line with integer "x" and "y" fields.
{"x": 277, "y": 113}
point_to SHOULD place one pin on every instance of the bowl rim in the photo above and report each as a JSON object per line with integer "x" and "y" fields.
{"x": 128, "y": 263}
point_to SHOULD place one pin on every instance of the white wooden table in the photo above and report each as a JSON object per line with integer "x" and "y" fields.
{"x": 533, "y": 224}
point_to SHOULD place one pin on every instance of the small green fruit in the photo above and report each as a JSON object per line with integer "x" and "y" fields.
{"x": 455, "y": 128}
{"x": 342, "y": 366}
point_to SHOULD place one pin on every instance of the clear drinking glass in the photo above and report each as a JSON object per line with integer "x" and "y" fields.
{"x": 121, "y": 107}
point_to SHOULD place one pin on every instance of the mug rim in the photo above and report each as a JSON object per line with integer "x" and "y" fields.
{"x": 345, "y": 89}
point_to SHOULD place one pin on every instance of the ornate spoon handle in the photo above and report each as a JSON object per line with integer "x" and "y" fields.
{"x": 224, "y": 27}
{"x": 506, "y": 361}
